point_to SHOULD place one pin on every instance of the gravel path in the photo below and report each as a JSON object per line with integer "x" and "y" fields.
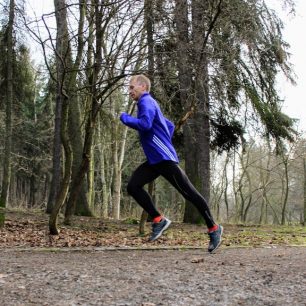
{"x": 241, "y": 276}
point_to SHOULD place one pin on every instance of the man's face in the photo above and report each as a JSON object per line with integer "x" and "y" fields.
{"x": 136, "y": 89}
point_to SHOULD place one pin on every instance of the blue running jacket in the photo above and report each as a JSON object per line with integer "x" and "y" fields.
{"x": 154, "y": 129}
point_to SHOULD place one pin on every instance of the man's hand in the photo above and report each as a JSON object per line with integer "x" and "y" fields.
{"x": 123, "y": 117}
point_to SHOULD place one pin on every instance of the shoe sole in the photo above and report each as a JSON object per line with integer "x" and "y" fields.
{"x": 215, "y": 249}
{"x": 161, "y": 232}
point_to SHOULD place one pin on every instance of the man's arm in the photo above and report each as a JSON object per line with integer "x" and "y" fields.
{"x": 143, "y": 122}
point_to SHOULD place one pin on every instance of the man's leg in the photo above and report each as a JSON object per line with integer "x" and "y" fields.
{"x": 143, "y": 175}
{"x": 177, "y": 177}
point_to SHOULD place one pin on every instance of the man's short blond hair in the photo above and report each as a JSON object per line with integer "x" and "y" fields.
{"x": 142, "y": 79}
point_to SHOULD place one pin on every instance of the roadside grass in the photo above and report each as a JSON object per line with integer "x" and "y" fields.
{"x": 254, "y": 235}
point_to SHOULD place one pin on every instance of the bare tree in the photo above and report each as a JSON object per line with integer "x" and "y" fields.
{"x": 62, "y": 42}
{"x": 9, "y": 40}
{"x": 102, "y": 83}
{"x": 304, "y": 214}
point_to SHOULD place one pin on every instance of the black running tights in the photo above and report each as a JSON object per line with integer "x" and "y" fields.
{"x": 146, "y": 173}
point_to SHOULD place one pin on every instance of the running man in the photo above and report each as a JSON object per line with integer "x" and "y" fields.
{"x": 155, "y": 133}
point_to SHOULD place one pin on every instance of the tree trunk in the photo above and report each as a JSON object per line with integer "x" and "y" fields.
{"x": 104, "y": 186}
{"x": 116, "y": 170}
{"x": 62, "y": 45}
{"x": 226, "y": 188}
{"x": 148, "y": 16}
{"x": 90, "y": 53}
{"x": 32, "y": 191}
{"x": 184, "y": 75}
{"x": 286, "y": 187}
{"x": 235, "y": 188}
{"x": 78, "y": 180}
{"x": 2, "y": 217}
{"x": 91, "y": 180}
{"x": 197, "y": 129}
{"x": 304, "y": 219}
{"x": 265, "y": 180}
{"x": 8, "y": 108}
{"x": 92, "y": 116}
{"x": 67, "y": 176}
{"x": 250, "y": 197}
{"x": 69, "y": 77}
{"x": 245, "y": 180}
{"x": 57, "y": 152}
{"x": 82, "y": 207}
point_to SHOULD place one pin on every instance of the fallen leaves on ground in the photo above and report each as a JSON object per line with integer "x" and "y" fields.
{"x": 28, "y": 229}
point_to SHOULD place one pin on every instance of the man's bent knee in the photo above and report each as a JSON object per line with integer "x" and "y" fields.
{"x": 132, "y": 188}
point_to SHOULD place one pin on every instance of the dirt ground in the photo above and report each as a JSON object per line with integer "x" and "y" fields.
{"x": 274, "y": 275}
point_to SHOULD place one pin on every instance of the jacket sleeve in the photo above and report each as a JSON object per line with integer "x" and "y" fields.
{"x": 171, "y": 127}
{"x": 144, "y": 120}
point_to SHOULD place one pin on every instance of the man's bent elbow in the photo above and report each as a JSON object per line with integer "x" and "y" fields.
{"x": 145, "y": 125}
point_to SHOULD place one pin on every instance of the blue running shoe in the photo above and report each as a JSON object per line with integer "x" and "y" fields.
{"x": 158, "y": 228}
{"x": 215, "y": 239}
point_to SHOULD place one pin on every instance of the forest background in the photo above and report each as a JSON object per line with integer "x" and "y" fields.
{"x": 214, "y": 67}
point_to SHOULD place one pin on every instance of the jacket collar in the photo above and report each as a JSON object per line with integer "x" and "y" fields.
{"x": 143, "y": 95}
